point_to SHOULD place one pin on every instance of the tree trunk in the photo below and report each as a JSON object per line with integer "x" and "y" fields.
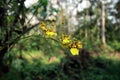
{"x": 103, "y": 24}
{"x": 3, "y": 67}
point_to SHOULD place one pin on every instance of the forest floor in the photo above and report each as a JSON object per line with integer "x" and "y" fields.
{"x": 39, "y": 66}
{"x": 111, "y": 55}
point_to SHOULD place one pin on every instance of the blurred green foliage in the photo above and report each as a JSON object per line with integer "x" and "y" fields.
{"x": 102, "y": 68}
{"x": 32, "y": 56}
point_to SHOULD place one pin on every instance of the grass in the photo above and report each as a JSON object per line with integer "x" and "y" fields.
{"x": 42, "y": 57}
{"x": 39, "y": 66}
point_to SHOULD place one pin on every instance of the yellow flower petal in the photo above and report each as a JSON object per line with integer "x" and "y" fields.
{"x": 79, "y": 44}
{"x": 65, "y": 41}
{"x": 43, "y": 26}
{"x": 76, "y": 44}
{"x": 74, "y": 51}
{"x": 73, "y": 45}
{"x": 51, "y": 33}
{"x": 65, "y": 45}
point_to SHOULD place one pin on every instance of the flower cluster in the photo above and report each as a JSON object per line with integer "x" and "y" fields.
{"x": 65, "y": 40}
{"x": 73, "y": 45}
{"x": 49, "y": 32}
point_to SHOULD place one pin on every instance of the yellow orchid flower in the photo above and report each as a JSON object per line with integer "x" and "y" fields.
{"x": 74, "y": 47}
{"x": 65, "y": 39}
{"x": 74, "y": 51}
{"x": 79, "y": 44}
{"x": 50, "y": 32}
{"x": 43, "y": 26}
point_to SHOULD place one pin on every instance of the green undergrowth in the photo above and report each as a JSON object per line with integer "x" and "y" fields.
{"x": 37, "y": 66}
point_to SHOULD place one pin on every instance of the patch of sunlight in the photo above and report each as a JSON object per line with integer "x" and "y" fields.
{"x": 32, "y": 56}
{"x": 108, "y": 56}
{"x": 51, "y": 59}
{"x": 111, "y": 56}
